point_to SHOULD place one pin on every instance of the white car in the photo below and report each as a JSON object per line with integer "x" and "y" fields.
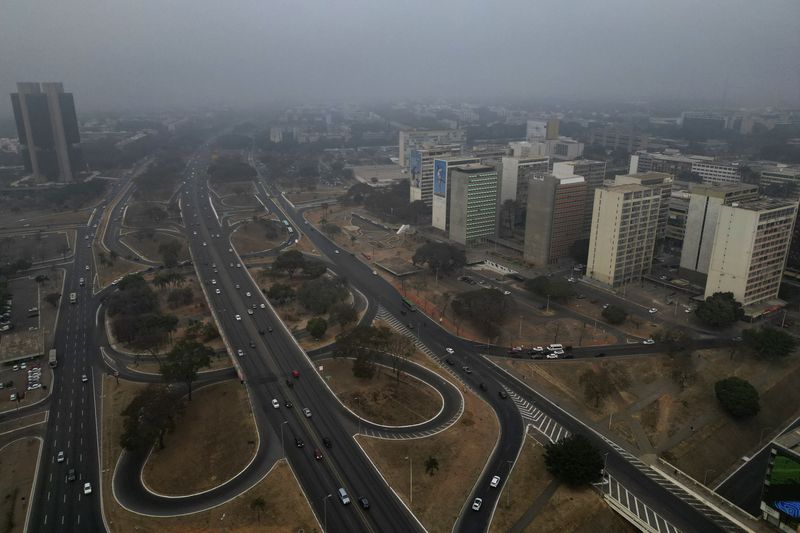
{"x": 87, "y": 488}
{"x": 336, "y": 251}
{"x": 218, "y": 291}
{"x": 374, "y": 272}
{"x": 495, "y": 482}
{"x": 238, "y": 265}
{"x": 87, "y": 267}
{"x": 263, "y": 306}
{"x": 249, "y": 311}
{"x": 238, "y": 317}
{"x": 213, "y": 282}
{"x": 476, "y": 504}
{"x": 552, "y": 356}
{"x": 84, "y": 378}
{"x": 506, "y": 292}
{"x": 450, "y": 351}
{"x": 538, "y": 349}
{"x": 60, "y": 457}
{"x": 307, "y": 412}
{"x": 648, "y": 341}
{"x": 240, "y": 352}
{"x": 247, "y": 294}
{"x": 275, "y": 403}
{"x": 652, "y": 310}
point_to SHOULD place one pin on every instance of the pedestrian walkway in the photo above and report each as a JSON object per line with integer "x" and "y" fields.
{"x": 534, "y": 417}
{"x": 536, "y": 507}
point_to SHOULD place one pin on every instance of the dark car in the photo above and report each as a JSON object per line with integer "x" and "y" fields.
{"x": 261, "y": 332}
{"x": 483, "y": 386}
{"x": 503, "y": 394}
{"x": 289, "y": 383}
{"x": 327, "y": 442}
{"x": 317, "y": 454}
{"x": 71, "y": 474}
{"x": 252, "y": 344}
{"x": 287, "y": 403}
{"x": 601, "y": 354}
{"x": 364, "y": 502}
{"x": 299, "y": 442}
{"x": 449, "y": 361}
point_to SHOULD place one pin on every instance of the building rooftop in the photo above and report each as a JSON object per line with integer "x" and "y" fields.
{"x": 721, "y": 190}
{"x": 790, "y": 440}
{"x": 763, "y": 204}
{"x": 474, "y": 168}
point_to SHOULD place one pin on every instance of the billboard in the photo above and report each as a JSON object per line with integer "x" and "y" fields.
{"x": 415, "y": 168}
{"x": 783, "y": 491}
{"x": 440, "y": 177}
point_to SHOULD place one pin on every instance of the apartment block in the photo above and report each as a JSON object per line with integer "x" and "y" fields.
{"x": 625, "y": 225}
{"x": 443, "y": 167}
{"x": 555, "y": 217}
{"x": 710, "y": 170}
{"x": 473, "y": 213}
{"x": 411, "y": 140}
{"x": 421, "y": 169}
{"x": 705, "y": 202}
{"x": 593, "y": 172}
{"x": 751, "y": 243}
{"x": 659, "y": 181}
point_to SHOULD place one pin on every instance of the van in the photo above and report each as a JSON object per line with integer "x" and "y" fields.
{"x": 343, "y": 496}
{"x": 552, "y": 347}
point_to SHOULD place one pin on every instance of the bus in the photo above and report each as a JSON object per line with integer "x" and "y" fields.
{"x": 411, "y": 307}
{"x": 52, "y": 359}
{"x": 73, "y": 297}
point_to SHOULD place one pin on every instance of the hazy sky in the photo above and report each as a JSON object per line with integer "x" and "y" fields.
{"x": 135, "y": 53}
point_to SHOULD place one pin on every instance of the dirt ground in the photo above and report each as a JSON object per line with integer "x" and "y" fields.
{"x": 11, "y": 219}
{"x": 148, "y": 246}
{"x": 313, "y": 196}
{"x": 663, "y": 405}
{"x": 119, "y": 268}
{"x": 21, "y": 422}
{"x": 567, "y": 510}
{"x": 148, "y": 365}
{"x": 250, "y": 236}
{"x": 286, "y": 508}
{"x": 382, "y": 399}
{"x": 461, "y": 452}
{"x": 136, "y": 215}
{"x": 37, "y": 246}
{"x": 214, "y": 439}
{"x": 632, "y": 326}
{"x": 18, "y": 465}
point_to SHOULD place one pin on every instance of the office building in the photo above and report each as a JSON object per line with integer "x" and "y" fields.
{"x": 613, "y": 138}
{"x": 624, "y": 231}
{"x": 676, "y": 219}
{"x": 411, "y": 140}
{"x": 48, "y": 130}
{"x": 421, "y": 169}
{"x": 542, "y": 130}
{"x": 593, "y": 172}
{"x": 660, "y": 181}
{"x": 780, "y": 496}
{"x": 561, "y": 149}
{"x": 473, "y": 193}
{"x": 780, "y": 180}
{"x": 705, "y": 202}
{"x": 555, "y": 217}
{"x": 716, "y": 172}
{"x": 441, "y": 191}
{"x": 751, "y": 243}
{"x": 514, "y": 175}
{"x": 710, "y": 170}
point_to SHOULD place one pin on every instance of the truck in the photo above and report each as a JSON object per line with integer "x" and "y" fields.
{"x": 52, "y": 360}
{"x": 73, "y": 297}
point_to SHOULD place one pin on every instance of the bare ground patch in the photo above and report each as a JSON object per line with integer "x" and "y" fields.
{"x": 18, "y": 465}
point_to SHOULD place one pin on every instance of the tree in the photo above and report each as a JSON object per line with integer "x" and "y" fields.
{"x": 183, "y": 362}
{"x": 53, "y": 298}
{"x": 558, "y": 289}
{"x": 317, "y": 327}
{"x": 331, "y": 229}
{"x": 597, "y": 385}
{"x": 169, "y": 252}
{"x": 314, "y": 269}
{"x": 440, "y": 257}
{"x": 41, "y": 278}
{"x": 431, "y": 465}
{"x": 487, "y": 309}
{"x": 280, "y": 293}
{"x": 343, "y": 313}
{"x": 719, "y": 310}
{"x": 769, "y": 342}
{"x": 258, "y": 504}
{"x": 179, "y": 297}
{"x": 319, "y": 294}
{"x": 289, "y": 262}
{"x": 148, "y": 417}
{"x": 615, "y": 314}
{"x": 738, "y": 397}
{"x": 574, "y": 460}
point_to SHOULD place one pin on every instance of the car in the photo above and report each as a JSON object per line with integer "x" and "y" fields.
{"x": 287, "y": 403}
{"x": 494, "y": 482}
{"x": 317, "y": 454}
{"x": 537, "y": 349}
{"x": 652, "y": 310}
{"x": 374, "y": 272}
{"x": 450, "y": 351}
{"x": 503, "y": 394}
{"x": 23, "y": 366}
{"x": 483, "y": 386}
{"x": 231, "y": 250}
{"x": 296, "y": 374}
{"x": 552, "y": 356}
{"x": 327, "y": 442}
{"x": 218, "y": 291}
{"x": 238, "y": 317}
{"x": 240, "y": 352}
{"x": 506, "y": 292}
{"x": 571, "y": 280}
{"x": 87, "y": 267}
{"x": 87, "y": 488}
{"x": 601, "y": 354}
{"x": 606, "y": 306}
{"x": 213, "y": 282}
{"x": 205, "y": 244}
{"x": 237, "y": 286}
{"x": 737, "y": 339}
{"x": 299, "y": 442}
{"x": 238, "y": 265}
{"x": 476, "y": 504}
{"x": 71, "y": 474}
{"x": 449, "y": 361}
{"x": 269, "y": 329}
{"x": 307, "y": 412}
{"x": 263, "y": 306}
{"x": 410, "y": 325}
{"x": 467, "y": 369}
{"x": 275, "y": 403}
{"x": 84, "y": 378}
{"x": 363, "y": 502}
{"x": 336, "y": 251}
{"x": 249, "y": 311}
{"x": 648, "y": 341}
{"x": 60, "y": 457}
{"x": 231, "y": 265}
{"x": 13, "y": 397}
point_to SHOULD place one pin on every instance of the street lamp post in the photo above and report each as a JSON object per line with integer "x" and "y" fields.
{"x": 325, "y": 511}
{"x": 410, "y": 479}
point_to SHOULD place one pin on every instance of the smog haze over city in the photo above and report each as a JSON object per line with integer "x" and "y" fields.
{"x": 242, "y": 53}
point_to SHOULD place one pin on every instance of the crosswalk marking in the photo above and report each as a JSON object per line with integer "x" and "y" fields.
{"x": 614, "y": 490}
{"x": 534, "y": 417}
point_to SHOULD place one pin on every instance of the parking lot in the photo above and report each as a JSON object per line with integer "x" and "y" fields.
{"x": 23, "y": 383}
{"x": 25, "y": 296}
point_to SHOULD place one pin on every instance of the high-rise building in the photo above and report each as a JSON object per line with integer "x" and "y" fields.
{"x": 413, "y": 139}
{"x": 705, "y": 202}
{"x": 555, "y": 217}
{"x": 541, "y": 130}
{"x": 625, "y": 221}
{"x": 676, "y": 218}
{"x": 751, "y": 243}
{"x": 48, "y": 130}
{"x": 442, "y": 186}
{"x": 660, "y": 181}
{"x": 421, "y": 169}
{"x": 473, "y": 193}
{"x": 593, "y": 172}
{"x": 515, "y": 173}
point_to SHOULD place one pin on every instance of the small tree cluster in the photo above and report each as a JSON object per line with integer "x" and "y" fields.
{"x": 769, "y": 342}
{"x": 440, "y": 257}
{"x": 615, "y": 314}
{"x": 719, "y": 310}
{"x": 558, "y": 289}
{"x": 738, "y": 397}
{"x": 574, "y": 460}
